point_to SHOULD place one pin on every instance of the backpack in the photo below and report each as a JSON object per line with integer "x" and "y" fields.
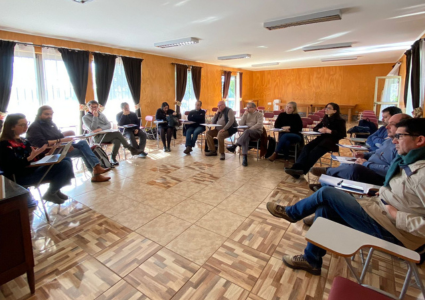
{"x": 271, "y": 146}
{"x": 101, "y": 156}
{"x": 367, "y": 123}
{"x": 151, "y": 133}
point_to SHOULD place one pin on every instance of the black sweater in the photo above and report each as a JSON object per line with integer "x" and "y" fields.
{"x": 13, "y": 158}
{"x": 128, "y": 119}
{"x": 161, "y": 115}
{"x": 293, "y": 120}
{"x": 197, "y": 116}
{"x": 339, "y": 131}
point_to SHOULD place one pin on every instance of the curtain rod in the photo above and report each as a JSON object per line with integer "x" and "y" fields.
{"x": 75, "y": 49}
{"x": 185, "y": 65}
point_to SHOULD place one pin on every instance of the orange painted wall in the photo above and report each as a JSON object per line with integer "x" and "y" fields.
{"x": 158, "y": 79}
{"x": 344, "y": 85}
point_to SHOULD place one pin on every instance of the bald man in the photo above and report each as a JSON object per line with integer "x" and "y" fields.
{"x": 225, "y": 117}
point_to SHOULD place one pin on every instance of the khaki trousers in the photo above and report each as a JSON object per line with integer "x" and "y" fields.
{"x": 211, "y": 134}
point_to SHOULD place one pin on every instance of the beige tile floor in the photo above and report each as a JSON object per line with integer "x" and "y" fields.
{"x": 174, "y": 226}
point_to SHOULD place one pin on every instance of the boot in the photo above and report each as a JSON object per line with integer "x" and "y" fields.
{"x": 134, "y": 151}
{"x": 53, "y": 197}
{"x": 245, "y": 160}
{"x": 187, "y": 150}
{"x": 62, "y": 195}
{"x": 97, "y": 170}
{"x": 273, "y": 157}
{"x": 99, "y": 178}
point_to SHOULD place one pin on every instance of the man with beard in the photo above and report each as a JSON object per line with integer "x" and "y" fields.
{"x": 43, "y": 131}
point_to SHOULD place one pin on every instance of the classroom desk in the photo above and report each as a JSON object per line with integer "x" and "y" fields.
{"x": 15, "y": 234}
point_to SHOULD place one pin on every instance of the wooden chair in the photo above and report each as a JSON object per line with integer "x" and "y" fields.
{"x": 346, "y": 242}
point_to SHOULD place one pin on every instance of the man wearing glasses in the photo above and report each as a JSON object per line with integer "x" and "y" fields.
{"x": 225, "y": 117}
{"x": 370, "y": 167}
{"x": 396, "y": 214}
{"x": 254, "y": 120}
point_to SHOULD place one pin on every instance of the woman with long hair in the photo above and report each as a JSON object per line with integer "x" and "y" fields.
{"x": 164, "y": 114}
{"x": 291, "y": 124}
{"x": 16, "y": 155}
{"x": 332, "y": 129}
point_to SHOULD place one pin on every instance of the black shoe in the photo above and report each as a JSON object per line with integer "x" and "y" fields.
{"x": 245, "y": 161}
{"x": 294, "y": 173}
{"x": 114, "y": 162}
{"x": 54, "y": 198}
{"x": 168, "y": 149}
{"x": 232, "y": 148}
{"x": 134, "y": 151}
{"x": 62, "y": 195}
{"x": 165, "y": 149}
{"x": 143, "y": 154}
{"x": 314, "y": 187}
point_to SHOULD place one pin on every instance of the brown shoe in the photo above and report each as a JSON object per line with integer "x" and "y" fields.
{"x": 279, "y": 211}
{"x": 99, "y": 178}
{"x": 314, "y": 186}
{"x": 318, "y": 171}
{"x": 97, "y": 170}
{"x": 273, "y": 156}
{"x": 211, "y": 153}
{"x": 309, "y": 220}
{"x": 187, "y": 150}
{"x": 298, "y": 262}
{"x": 222, "y": 156}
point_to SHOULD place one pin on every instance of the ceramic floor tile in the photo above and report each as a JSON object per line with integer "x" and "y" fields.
{"x": 221, "y": 222}
{"x": 44, "y": 238}
{"x": 71, "y": 207}
{"x": 100, "y": 236}
{"x": 75, "y": 224}
{"x": 240, "y": 205}
{"x": 261, "y": 214}
{"x": 237, "y": 263}
{"x": 190, "y": 210}
{"x": 164, "y": 229}
{"x": 163, "y": 201}
{"x": 258, "y": 235}
{"x": 166, "y": 169}
{"x": 200, "y": 166}
{"x": 114, "y": 205}
{"x": 204, "y": 178}
{"x": 165, "y": 182}
{"x": 211, "y": 195}
{"x": 184, "y": 173}
{"x": 207, "y": 285}
{"x": 128, "y": 253}
{"x": 187, "y": 188}
{"x": 91, "y": 197}
{"x": 122, "y": 291}
{"x": 84, "y": 281}
{"x": 196, "y": 244}
{"x": 251, "y": 190}
{"x": 137, "y": 216}
{"x": 162, "y": 275}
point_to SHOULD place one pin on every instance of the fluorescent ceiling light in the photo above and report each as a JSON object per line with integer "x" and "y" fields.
{"x": 324, "y": 16}
{"x": 339, "y": 58}
{"x": 82, "y": 1}
{"x": 327, "y": 47}
{"x": 265, "y": 64}
{"x": 238, "y": 56}
{"x": 175, "y": 43}
{"x": 409, "y": 15}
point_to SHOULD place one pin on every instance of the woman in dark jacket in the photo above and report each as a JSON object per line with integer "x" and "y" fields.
{"x": 332, "y": 129}
{"x": 16, "y": 154}
{"x": 164, "y": 114}
{"x": 290, "y": 122}
{"x": 193, "y": 130}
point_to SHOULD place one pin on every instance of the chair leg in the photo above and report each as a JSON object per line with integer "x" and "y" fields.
{"x": 44, "y": 206}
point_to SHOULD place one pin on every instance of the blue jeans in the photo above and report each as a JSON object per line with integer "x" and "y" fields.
{"x": 285, "y": 140}
{"x": 83, "y": 150}
{"x": 339, "y": 207}
{"x": 357, "y": 173}
{"x": 195, "y": 131}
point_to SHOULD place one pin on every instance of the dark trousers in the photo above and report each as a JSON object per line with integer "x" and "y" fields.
{"x": 309, "y": 156}
{"x": 357, "y": 173}
{"x": 116, "y": 138}
{"x": 59, "y": 176}
{"x": 166, "y": 131}
{"x": 142, "y": 139}
{"x": 285, "y": 141}
{"x": 340, "y": 207}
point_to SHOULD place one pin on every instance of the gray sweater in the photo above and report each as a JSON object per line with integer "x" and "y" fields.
{"x": 92, "y": 123}
{"x": 253, "y": 120}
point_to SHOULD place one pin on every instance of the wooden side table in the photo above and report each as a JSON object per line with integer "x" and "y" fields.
{"x": 16, "y": 255}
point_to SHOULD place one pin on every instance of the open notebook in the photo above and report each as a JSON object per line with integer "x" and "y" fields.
{"x": 349, "y": 185}
{"x": 54, "y": 158}
{"x": 344, "y": 159}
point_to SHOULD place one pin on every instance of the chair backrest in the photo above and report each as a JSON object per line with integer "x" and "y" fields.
{"x": 149, "y": 118}
{"x": 214, "y": 109}
{"x": 268, "y": 115}
{"x": 186, "y": 113}
{"x": 320, "y": 114}
{"x": 261, "y": 107}
{"x": 277, "y": 112}
{"x": 314, "y": 117}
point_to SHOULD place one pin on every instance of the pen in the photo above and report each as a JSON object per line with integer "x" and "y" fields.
{"x": 339, "y": 183}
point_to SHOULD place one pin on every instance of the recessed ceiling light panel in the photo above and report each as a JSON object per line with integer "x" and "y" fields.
{"x": 327, "y": 47}
{"x": 324, "y": 16}
{"x": 238, "y": 56}
{"x": 339, "y": 58}
{"x": 179, "y": 42}
{"x": 265, "y": 64}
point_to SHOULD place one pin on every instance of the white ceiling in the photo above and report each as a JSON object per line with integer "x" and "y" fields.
{"x": 380, "y": 29}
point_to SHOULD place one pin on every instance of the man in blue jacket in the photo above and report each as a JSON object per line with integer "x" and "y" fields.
{"x": 370, "y": 167}
{"x": 376, "y": 140}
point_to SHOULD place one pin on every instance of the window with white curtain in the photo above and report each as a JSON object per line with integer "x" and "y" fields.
{"x": 189, "y": 99}
{"x": 119, "y": 92}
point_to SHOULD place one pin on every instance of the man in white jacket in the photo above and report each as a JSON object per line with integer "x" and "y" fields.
{"x": 396, "y": 215}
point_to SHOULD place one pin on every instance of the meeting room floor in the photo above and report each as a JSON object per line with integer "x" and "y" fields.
{"x": 176, "y": 226}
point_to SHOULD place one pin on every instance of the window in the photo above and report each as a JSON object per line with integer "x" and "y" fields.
{"x": 233, "y": 95}
{"x": 119, "y": 92}
{"x": 42, "y": 80}
{"x": 189, "y": 99}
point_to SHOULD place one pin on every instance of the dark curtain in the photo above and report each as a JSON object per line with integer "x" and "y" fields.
{"x": 133, "y": 73}
{"x": 408, "y": 54}
{"x": 7, "y": 50}
{"x": 77, "y": 66}
{"x": 240, "y": 84}
{"x": 181, "y": 80}
{"x": 196, "y": 80}
{"x": 227, "y": 76}
{"x": 104, "y": 66}
{"x": 415, "y": 74}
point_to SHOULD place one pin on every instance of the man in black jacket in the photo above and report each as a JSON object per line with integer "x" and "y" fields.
{"x": 193, "y": 130}
{"x": 125, "y": 118}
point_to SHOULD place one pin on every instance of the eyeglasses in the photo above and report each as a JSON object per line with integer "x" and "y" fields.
{"x": 398, "y": 135}
{"x": 329, "y": 108}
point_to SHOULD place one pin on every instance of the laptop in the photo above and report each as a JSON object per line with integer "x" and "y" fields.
{"x": 54, "y": 158}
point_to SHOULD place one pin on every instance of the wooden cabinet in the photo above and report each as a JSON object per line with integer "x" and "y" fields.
{"x": 16, "y": 255}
